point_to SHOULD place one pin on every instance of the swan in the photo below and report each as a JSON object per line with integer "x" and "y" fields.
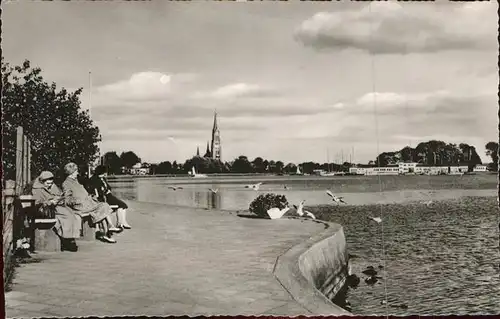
{"x": 214, "y": 190}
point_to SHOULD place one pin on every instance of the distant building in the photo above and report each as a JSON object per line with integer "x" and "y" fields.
{"x": 480, "y": 168}
{"x": 140, "y": 169}
{"x": 216, "y": 145}
{"x": 407, "y": 167}
{"x": 214, "y": 149}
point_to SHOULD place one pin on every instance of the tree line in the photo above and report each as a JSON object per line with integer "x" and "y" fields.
{"x": 429, "y": 153}
{"x": 433, "y": 153}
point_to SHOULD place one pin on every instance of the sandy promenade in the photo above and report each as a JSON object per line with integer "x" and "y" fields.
{"x": 174, "y": 261}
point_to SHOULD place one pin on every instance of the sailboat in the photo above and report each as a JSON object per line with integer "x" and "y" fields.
{"x": 327, "y": 173}
{"x": 298, "y": 172}
{"x": 195, "y": 175}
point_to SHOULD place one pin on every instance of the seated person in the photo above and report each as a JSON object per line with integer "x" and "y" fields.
{"x": 50, "y": 200}
{"x": 82, "y": 203}
{"x": 99, "y": 187}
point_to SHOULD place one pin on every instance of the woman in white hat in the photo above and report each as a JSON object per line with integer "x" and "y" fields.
{"x": 50, "y": 201}
{"x": 78, "y": 199}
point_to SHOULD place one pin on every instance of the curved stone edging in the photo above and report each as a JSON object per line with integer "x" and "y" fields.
{"x": 290, "y": 267}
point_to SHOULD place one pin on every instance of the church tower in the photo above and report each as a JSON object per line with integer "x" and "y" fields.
{"x": 216, "y": 146}
{"x": 208, "y": 154}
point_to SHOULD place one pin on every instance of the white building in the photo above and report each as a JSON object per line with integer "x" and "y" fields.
{"x": 405, "y": 168}
{"x": 391, "y": 170}
{"x": 480, "y": 168}
{"x": 139, "y": 169}
{"x": 357, "y": 170}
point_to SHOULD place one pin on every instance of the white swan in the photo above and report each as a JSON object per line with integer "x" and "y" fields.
{"x": 336, "y": 199}
{"x": 276, "y": 213}
{"x": 214, "y": 190}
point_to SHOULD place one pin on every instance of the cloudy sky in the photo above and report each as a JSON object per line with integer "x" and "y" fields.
{"x": 290, "y": 81}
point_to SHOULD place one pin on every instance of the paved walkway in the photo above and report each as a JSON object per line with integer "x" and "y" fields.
{"x": 174, "y": 261}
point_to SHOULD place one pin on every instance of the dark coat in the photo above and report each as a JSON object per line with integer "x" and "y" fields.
{"x": 98, "y": 186}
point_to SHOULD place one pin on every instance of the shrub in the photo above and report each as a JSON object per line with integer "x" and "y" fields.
{"x": 263, "y": 203}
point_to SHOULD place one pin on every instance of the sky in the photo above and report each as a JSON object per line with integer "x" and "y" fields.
{"x": 294, "y": 81}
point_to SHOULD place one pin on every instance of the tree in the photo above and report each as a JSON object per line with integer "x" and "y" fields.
{"x": 175, "y": 167}
{"x": 241, "y": 165}
{"x": 113, "y": 162}
{"x": 129, "y": 159}
{"x": 59, "y": 130}
{"x": 258, "y": 165}
{"x": 290, "y": 168}
{"x": 164, "y": 168}
{"x": 492, "y": 151}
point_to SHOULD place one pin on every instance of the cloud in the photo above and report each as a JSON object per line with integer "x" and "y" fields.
{"x": 145, "y": 86}
{"x": 237, "y": 90}
{"x": 439, "y": 113}
{"x": 391, "y": 28}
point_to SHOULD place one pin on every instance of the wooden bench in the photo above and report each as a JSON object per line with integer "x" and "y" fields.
{"x": 89, "y": 231}
{"x": 42, "y": 235}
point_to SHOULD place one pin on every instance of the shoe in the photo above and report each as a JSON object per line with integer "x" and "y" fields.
{"x": 125, "y": 226}
{"x": 115, "y": 229}
{"x": 107, "y": 239}
{"x": 69, "y": 245}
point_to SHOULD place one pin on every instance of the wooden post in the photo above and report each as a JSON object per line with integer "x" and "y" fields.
{"x": 28, "y": 167}
{"x": 25, "y": 161}
{"x": 19, "y": 160}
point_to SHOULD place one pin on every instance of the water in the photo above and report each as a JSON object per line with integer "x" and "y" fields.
{"x": 440, "y": 260}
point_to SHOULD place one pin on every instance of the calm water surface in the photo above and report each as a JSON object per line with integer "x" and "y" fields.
{"x": 441, "y": 259}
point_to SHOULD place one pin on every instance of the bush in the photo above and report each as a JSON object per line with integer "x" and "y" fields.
{"x": 263, "y": 203}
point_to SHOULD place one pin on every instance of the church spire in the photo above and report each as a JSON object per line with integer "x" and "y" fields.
{"x": 208, "y": 154}
{"x": 197, "y": 151}
{"x": 216, "y": 127}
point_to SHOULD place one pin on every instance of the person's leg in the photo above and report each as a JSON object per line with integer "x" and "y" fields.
{"x": 106, "y": 234}
{"x": 121, "y": 213}
{"x": 111, "y": 228}
{"x": 122, "y": 218}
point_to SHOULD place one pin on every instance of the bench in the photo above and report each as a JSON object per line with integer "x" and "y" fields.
{"x": 42, "y": 236}
{"x": 88, "y": 231}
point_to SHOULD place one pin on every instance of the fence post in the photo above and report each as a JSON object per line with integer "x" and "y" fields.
{"x": 19, "y": 160}
{"x": 28, "y": 166}
{"x": 25, "y": 161}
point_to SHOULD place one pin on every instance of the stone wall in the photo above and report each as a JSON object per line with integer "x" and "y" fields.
{"x": 325, "y": 264}
{"x": 315, "y": 271}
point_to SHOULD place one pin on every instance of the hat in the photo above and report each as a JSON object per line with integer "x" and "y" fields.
{"x": 45, "y": 175}
{"x": 70, "y": 168}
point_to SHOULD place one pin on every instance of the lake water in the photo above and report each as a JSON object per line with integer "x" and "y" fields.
{"x": 439, "y": 260}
